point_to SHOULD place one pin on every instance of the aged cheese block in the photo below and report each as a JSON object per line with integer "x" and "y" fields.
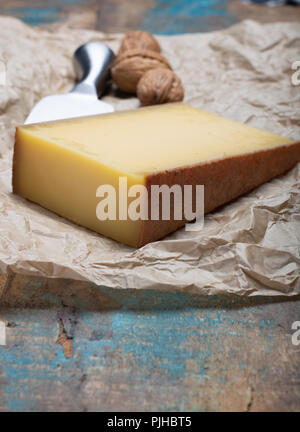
{"x": 60, "y": 165}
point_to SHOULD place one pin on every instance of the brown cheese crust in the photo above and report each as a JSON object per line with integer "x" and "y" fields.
{"x": 223, "y": 180}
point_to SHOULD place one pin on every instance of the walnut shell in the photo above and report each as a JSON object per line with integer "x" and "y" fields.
{"x": 130, "y": 66}
{"x": 158, "y": 86}
{"x": 139, "y": 39}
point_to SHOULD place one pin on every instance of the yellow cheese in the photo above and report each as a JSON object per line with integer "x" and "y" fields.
{"x": 60, "y": 165}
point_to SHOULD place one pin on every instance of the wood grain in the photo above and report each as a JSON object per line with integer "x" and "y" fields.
{"x": 156, "y": 16}
{"x": 74, "y": 346}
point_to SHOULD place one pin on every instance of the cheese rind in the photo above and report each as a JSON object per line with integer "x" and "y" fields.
{"x": 60, "y": 165}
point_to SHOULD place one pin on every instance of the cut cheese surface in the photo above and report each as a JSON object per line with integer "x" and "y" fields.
{"x": 157, "y": 138}
{"x": 60, "y": 165}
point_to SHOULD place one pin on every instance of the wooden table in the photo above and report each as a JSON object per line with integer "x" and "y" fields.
{"x": 156, "y": 16}
{"x": 76, "y": 346}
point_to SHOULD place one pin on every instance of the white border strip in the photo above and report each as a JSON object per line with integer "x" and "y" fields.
{"x": 2, "y": 331}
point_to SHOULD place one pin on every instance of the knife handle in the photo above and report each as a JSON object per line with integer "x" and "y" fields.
{"x": 92, "y": 63}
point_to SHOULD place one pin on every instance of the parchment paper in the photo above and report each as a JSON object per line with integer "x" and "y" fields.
{"x": 248, "y": 247}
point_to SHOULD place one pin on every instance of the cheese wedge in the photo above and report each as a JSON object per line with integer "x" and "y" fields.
{"x": 60, "y": 165}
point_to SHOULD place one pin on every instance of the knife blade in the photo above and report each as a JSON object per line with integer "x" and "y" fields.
{"x": 92, "y": 63}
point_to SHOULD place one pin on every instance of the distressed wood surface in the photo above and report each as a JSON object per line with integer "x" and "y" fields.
{"x": 79, "y": 347}
{"x": 74, "y": 346}
{"x": 156, "y": 16}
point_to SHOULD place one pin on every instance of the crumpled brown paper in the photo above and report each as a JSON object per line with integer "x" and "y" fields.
{"x": 249, "y": 247}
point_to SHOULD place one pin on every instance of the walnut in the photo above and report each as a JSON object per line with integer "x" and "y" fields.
{"x": 131, "y": 65}
{"x": 158, "y": 86}
{"x": 139, "y": 39}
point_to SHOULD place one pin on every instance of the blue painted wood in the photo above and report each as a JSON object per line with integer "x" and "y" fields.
{"x": 175, "y": 16}
{"x": 34, "y": 16}
{"x": 156, "y": 16}
{"x": 145, "y": 350}
{"x": 35, "y": 13}
{"x": 160, "y": 16}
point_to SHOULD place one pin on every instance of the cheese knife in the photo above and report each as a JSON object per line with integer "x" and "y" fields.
{"x": 92, "y": 63}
